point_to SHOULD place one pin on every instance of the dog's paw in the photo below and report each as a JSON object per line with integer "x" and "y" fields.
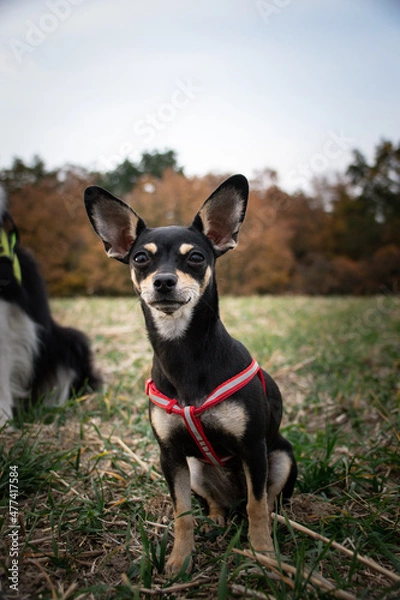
{"x": 178, "y": 562}
{"x": 269, "y": 553}
{"x": 218, "y": 518}
{"x": 213, "y": 520}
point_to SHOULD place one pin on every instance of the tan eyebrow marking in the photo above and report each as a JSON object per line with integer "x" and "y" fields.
{"x": 152, "y": 248}
{"x": 185, "y": 248}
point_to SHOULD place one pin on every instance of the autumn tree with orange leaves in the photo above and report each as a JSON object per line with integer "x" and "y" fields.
{"x": 341, "y": 239}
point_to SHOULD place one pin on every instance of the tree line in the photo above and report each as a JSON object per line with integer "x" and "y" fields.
{"x": 343, "y": 237}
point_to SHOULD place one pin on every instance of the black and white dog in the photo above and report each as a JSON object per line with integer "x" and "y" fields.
{"x": 39, "y": 359}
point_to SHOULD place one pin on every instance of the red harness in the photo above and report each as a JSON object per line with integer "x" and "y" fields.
{"x": 191, "y": 414}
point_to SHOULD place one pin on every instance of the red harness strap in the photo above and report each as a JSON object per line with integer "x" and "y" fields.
{"x": 191, "y": 414}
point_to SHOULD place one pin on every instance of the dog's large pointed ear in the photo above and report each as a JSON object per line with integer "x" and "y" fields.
{"x": 115, "y": 222}
{"x": 223, "y": 212}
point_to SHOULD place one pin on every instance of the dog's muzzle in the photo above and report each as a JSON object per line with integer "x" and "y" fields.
{"x": 166, "y": 295}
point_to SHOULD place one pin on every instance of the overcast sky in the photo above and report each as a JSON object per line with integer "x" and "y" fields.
{"x": 232, "y": 86}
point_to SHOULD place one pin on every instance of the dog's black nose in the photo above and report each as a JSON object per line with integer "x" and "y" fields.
{"x": 165, "y": 282}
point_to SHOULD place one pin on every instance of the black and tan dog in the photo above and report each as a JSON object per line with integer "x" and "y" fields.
{"x": 214, "y": 412}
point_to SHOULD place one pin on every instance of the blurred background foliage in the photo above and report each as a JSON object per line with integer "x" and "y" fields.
{"x": 341, "y": 237}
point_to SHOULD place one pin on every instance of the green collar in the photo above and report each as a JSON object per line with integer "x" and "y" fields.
{"x": 7, "y": 249}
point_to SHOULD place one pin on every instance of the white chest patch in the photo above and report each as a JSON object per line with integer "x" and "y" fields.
{"x": 165, "y": 424}
{"x": 229, "y": 417}
{"x": 172, "y": 327}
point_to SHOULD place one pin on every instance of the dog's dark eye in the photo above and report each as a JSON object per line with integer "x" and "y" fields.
{"x": 196, "y": 258}
{"x": 141, "y": 258}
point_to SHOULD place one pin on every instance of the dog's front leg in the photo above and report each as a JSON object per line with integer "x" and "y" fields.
{"x": 177, "y": 476}
{"x": 255, "y": 468}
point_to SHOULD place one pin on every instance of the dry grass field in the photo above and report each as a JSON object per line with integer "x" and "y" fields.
{"x": 90, "y": 515}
